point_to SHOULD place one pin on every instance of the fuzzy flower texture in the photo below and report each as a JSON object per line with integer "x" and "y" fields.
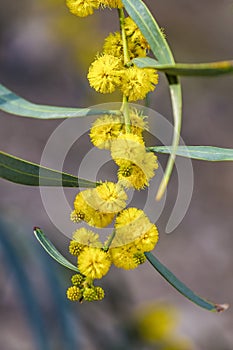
{"x": 133, "y": 233}
{"x": 83, "y": 8}
{"x": 109, "y": 71}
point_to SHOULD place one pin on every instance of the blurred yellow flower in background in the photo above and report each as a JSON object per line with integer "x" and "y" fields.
{"x": 157, "y": 323}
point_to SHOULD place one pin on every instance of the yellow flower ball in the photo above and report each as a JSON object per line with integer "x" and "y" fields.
{"x": 109, "y": 198}
{"x": 99, "y": 293}
{"x": 84, "y": 203}
{"x": 108, "y": 128}
{"x": 130, "y": 26}
{"x": 147, "y": 241}
{"x": 77, "y": 280}
{"x": 100, "y": 220}
{"x": 85, "y": 237}
{"x": 130, "y": 175}
{"x": 128, "y": 147}
{"x": 156, "y": 322}
{"x": 104, "y": 73}
{"x": 81, "y": 210}
{"x": 135, "y": 35}
{"x": 75, "y": 248}
{"x": 127, "y": 257}
{"x": 133, "y": 228}
{"x": 136, "y": 49}
{"x": 137, "y": 82}
{"x": 113, "y": 45}
{"x": 137, "y": 123}
{"x": 137, "y": 175}
{"x": 104, "y": 130}
{"x": 123, "y": 257}
{"x": 94, "y": 262}
{"x": 82, "y": 8}
{"x": 112, "y": 3}
{"x": 73, "y": 293}
{"x": 130, "y": 224}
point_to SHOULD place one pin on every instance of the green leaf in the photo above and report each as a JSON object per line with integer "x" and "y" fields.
{"x": 20, "y": 171}
{"x": 160, "y": 48}
{"x": 182, "y": 288}
{"x": 52, "y": 251}
{"x": 176, "y": 99}
{"x": 14, "y": 104}
{"x": 141, "y": 15}
{"x": 186, "y": 69}
{"x": 209, "y": 153}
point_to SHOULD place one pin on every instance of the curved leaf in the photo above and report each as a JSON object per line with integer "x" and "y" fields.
{"x": 52, "y": 251}
{"x": 20, "y": 171}
{"x": 159, "y": 46}
{"x": 141, "y": 15}
{"x": 181, "y": 287}
{"x": 176, "y": 99}
{"x": 209, "y": 153}
{"x": 187, "y": 69}
{"x": 14, "y": 104}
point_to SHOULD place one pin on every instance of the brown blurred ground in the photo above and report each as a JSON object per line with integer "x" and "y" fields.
{"x": 44, "y": 56}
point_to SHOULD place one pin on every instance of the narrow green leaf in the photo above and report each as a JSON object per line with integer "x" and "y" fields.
{"x": 186, "y": 69}
{"x": 20, "y": 171}
{"x": 141, "y": 15}
{"x": 52, "y": 251}
{"x": 176, "y": 99}
{"x": 209, "y": 153}
{"x": 14, "y": 104}
{"x": 182, "y": 288}
{"x": 159, "y": 46}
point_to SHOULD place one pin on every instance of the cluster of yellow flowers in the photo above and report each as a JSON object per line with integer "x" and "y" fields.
{"x": 136, "y": 165}
{"x": 83, "y": 8}
{"x": 133, "y": 233}
{"x": 111, "y": 69}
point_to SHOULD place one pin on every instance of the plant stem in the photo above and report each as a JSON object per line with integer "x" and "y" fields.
{"x": 125, "y": 105}
{"x": 123, "y": 36}
{"x": 109, "y": 241}
{"x": 125, "y": 111}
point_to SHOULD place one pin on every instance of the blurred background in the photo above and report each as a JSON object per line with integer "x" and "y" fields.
{"x": 45, "y": 53}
